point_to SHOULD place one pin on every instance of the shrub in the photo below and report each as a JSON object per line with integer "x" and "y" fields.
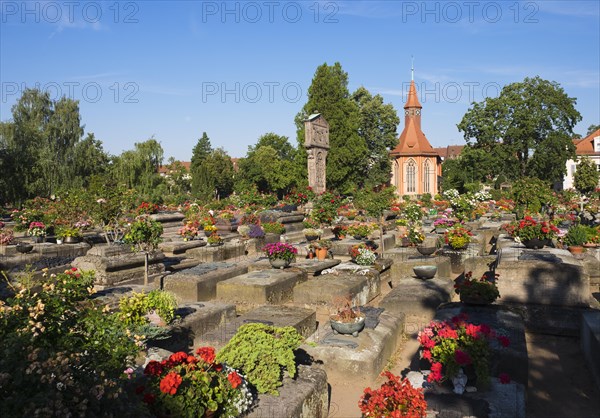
{"x": 273, "y": 228}
{"x": 577, "y": 235}
{"x": 262, "y": 352}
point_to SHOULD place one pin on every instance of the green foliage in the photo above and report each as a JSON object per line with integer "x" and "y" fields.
{"x": 325, "y": 207}
{"x": 528, "y": 127}
{"x": 138, "y": 168}
{"x": 373, "y": 202}
{"x": 587, "y": 176}
{"x": 577, "y": 235}
{"x": 531, "y": 193}
{"x": 134, "y": 308}
{"x": 262, "y": 352}
{"x": 273, "y": 228}
{"x": 328, "y": 95}
{"x": 56, "y": 344}
{"x": 145, "y": 234}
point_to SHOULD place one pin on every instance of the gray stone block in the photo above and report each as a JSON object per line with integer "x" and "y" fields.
{"x": 417, "y": 297}
{"x": 312, "y": 267}
{"x": 260, "y": 287}
{"x": 322, "y": 290}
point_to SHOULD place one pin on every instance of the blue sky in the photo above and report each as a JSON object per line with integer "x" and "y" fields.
{"x": 238, "y": 70}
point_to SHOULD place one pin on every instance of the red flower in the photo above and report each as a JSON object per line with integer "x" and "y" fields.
{"x": 149, "y": 398}
{"x": 505, "y": 341}
{"x": 234, "y": 379}
{"x": 485, "y": 329}
{"x": 207, "y": 354}
{"x": 462, "y": 358}
{"x": 178, "y": 358}
{"x": 473, "y": 330}
{"x": 154, "y": 368}
{"x": 504, "y": 378}
{"x": 191, "y": 360}
{"x": 427, "y": 354}
{"x": 436, "y": 373}
{"x": 427, "y": 342}
{"x": 448, "y": 333}
{"x": 170, "y": 383}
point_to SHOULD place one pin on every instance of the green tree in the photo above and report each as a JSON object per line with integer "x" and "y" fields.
{"x": 532, "y": 122}
{"x": 592, "y": 129}
{"x": 138, "y": 168}
{"x": 178, "y": 181}
{"x": 328, "y": 95}
{"x": 89, "y": 159}
{"x": 202, "y": 186}
{"x": 586, "y": 176}
{"x": 377, "y": 128}
{"x": 219, "y": 168}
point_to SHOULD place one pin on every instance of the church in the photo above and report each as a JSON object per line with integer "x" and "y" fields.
{"x": 416, "y": 165}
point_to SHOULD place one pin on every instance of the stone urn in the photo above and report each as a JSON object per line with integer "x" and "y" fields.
{"x": 535, "y": 243}
{"x": 24, "y": 248}
{"x": 425, "y": 272}
{"x": 426, "y": 250}
{"x": 279, "y": 263}
{"x": 348, "y": 328}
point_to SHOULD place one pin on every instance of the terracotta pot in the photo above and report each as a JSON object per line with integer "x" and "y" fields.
{"x": 576, "y": 249}
{"x": 321, "y": 253}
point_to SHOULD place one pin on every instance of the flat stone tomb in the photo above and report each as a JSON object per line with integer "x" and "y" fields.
{"x": 359, "y": 358}
{"x": 361, "y": 284}
{"x": 341, "y": 247}
{"x": 404, "y": 261}
{"x": 199, "y": 283}
{"x": 418, "y": 297}
{"x": 266, "y": 287}
{"x": 180, "y": 246}
{"x": 226, "y": 251}
{"x": 302, "y": 319}
{"x": 312, "y": 267}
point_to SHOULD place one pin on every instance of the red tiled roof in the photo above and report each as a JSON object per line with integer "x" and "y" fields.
{"x": 413, "y": 100}
{"x": 585, "y": 146}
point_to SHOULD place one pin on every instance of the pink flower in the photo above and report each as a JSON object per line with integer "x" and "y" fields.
{"x": 462, "y": 358}
{"x": 505, "y": 341}
{"x": 436, "y": 373}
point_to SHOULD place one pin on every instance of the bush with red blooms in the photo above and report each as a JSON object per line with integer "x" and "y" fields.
{"x": 396, "y": 398}
{"x": 528, "y": 229}
{"x": 190, "y": 386}
{"x": 451, "y": 345}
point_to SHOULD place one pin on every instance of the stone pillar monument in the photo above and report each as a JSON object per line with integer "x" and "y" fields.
{"x": 316, "y": 142}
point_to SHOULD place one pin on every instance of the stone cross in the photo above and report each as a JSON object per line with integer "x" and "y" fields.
{"x": 316, "y": 142}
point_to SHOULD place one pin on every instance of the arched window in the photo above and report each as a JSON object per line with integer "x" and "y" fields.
{"x": 426, "y": 177}
{"x": 411, "y": 176}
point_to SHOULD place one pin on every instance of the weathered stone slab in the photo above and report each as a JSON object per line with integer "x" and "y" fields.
{"x": 179, "y": 247}
{"x": 110, "y": 250}
{"x": 12, "y": 258}
{"x": 196, "y": 319}
{"x": 547, "y": 277}
{"x": 281, "y": 217}
{"x": 417, "y": 297}
{"x": 373, "y": 348}
{"x": 199, "y": 283}
{"x": 260, "y": 287}
{"x": 341, "y": 247}
{"x": 312, "y": 267}
{"x": 302, "y": 319}
{"x": 164, "y": 217}
{"x": 590, "y": 342}
{"x": 404, "y": 261}
{"x": 458, "y": 257}
{"x": 223, "y": 252}
{"x": 512, "y": 359}
{"x": 306, "y": 396}
{"x": 323, "y": 289}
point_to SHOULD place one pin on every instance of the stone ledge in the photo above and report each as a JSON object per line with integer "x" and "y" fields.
{"x": 418, "y": 297}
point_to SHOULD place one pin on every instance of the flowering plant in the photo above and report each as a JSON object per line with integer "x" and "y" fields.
{"x": 365, "y": 257}
{"x": 256, "y": 231}
{"x": 354, "y": 250}
{"x": 396, "y": 398}
{"x": 312, "y": 232}
{"x": 415, "y": 235}
{"x": 458, "y": 237}
{"x": 484, "y": 288}
{"x": 443, "y": 222}
{"x": 146, "y": 208}
{"x": 6, "y": 236}
{"x": 360, "y": 229}
{"x": 210, "y": 228}
{"x": 528, "y": 229}
{"x": 214, "y": 239}
{"x": 190, "y": 386}
{"x": 280, "y": 250}
{"x": 36, "y": 229}
{"x": 189, "y": 230}
{"x": 451, "y": 345}
{"x": 340, "y": 231}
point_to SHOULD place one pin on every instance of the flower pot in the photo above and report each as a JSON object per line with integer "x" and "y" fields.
{"x": 72, "y": 240}
{"x": 279, "y": 263}
{"x": 358, "y": 237}
{"x": 24, "y": 248}
{"x": 426, "y": 250}
{"x": 576, "y": 249}
{"x": 476, "y": 300}
{"x": 310, "y": 238}
{"x": 321, "y": 253}
{"x": 425, "y": 272}
{"x": 37, "y": 240}
{"x": 59, "y": 241}
{"x": 535, "y": 243}
{"x": 348, "y": 328}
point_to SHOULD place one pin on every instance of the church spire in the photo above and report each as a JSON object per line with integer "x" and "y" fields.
{"x": 412, "y": 68}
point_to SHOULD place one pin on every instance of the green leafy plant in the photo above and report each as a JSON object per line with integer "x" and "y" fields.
{"x": 214, "y": 239}
{"x": 577, "y": 235}
{"x": 360, "y": 229}
{"x": 262, "y": 353}
{"x": 483, "y": 289}
{"x": 133, "y": 309}
{"x": 144, "y": 235}
{"x": 458, "y": 237}
{"x": 273, "y": 228}
{"x": 312, "y": 232}
{"x": 65, "y": 231}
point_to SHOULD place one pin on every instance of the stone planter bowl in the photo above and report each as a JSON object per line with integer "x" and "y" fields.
{"x": 348, "y": 328}
{"x": 425, "y": 272}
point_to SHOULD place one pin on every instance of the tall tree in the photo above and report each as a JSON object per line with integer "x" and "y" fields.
{"x": 138, "y": 168}
{"x": 586, "y": 176}
{"x": 220, "y": 170}
{"x": 328, "y": 95}
{"x": 532, "y": 121}
{"x": 592, "y": 129}
{"x": 202, "y": 185}
{"x": 377, "y": 128}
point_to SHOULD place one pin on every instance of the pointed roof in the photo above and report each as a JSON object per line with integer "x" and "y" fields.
{"x": 413, "y": 141}
{"x": 413, "y": 100}
{"x": 585, "y": 146}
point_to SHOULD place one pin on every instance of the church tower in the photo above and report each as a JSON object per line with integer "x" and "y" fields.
{"x": 416, "y": 166}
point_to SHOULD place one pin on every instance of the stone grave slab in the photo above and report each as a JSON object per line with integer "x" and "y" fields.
{"x": 323, "y": 289}
{"x": 61, "y": 254}
{"x": 196, "y": 319}
{"x": 305, "y": 396}
{"x": 361, "y": 358}
{"x": 199, "y": 283}
{"x": 458, "y": 257}
{"x": 341, "y": 247}
{"x": 223, "y": 252}
{"x": 260, "y": 287}
{"x": 171, "y": 248}
{"x": 404, "y": 261}
{"x": 548, "y": 276}
{"x": 417, "y": 297}
{"x": 312, "y": 267}
{"x": 302, "y": 319}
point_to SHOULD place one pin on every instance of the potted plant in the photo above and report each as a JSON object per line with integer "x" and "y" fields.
{"x": 37, "y": 230}
{"x": 280, "y": 254}
{"x": 70, "y": 235}
{"x": 322, "y": 247}
{"x": 214, "y": 240}
{"x": 534, "y": 234}
{"x": 312, "y": 234}
{"x": 189, "y": 231}
{"x": 340, "y": 231}
{"x": 442, "y": 224}
{"x": 362, "y": 254}
{"x": 209, "y": 229}
{"x": 458, "y": 237}
{"x": 473, "y": 291}
{"x": 263, "y": 353}
{"x": 576, "y": 237}
{"x": 195, "y": 385}
{"x": 347, "y": 319}
{"x": 144, "y": 236}
{"x": 359, "y": 230}
{"x": 456, "y": 344}
{"x": 244, "y": 230}
{"x": 395, "y": 398}
{"x": 156, "y": 307}
{"x": 6, "y": 236}
{"x": 415, "y": 235}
